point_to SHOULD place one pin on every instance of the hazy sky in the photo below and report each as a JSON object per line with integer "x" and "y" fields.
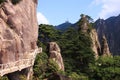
{"x": 58, "y": 11}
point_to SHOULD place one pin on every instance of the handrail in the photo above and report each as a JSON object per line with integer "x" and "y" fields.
{"x": 20, "y": 64}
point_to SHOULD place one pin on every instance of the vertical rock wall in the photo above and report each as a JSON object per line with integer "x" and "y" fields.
{"x": 104, "y": 47}
{"x": 95, "y": 43}
{"x": 18, "y": 29}
{"x": 99, "y": 49}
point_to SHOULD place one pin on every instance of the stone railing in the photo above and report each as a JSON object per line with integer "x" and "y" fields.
{"x": 20, "y": 64}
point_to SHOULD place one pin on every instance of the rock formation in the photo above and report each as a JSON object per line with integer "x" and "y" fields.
{"x": 18, "y": 30}
{"x": 111, "y": 29}
{"x": 83, "y": 25}
{"x": 99, "y": 49}
{"x": 104, "y": 47}
{"x": 95, "y": 43}
{"x": 55, "y": 54}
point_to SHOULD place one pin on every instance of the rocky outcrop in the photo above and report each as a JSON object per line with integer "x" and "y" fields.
{"x": 18, "y": 30}
{"x": 111, "y": 29}
{"x": 55, "y": 54}
{"x": 83, "y": 25}
{"x": 95, "y": 43}
{"x": 104, "y": 47}
{"x": 99, "y": 49}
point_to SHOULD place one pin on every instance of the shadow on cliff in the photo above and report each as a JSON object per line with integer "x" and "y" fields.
{"x": 1, "y": 57}
{"x": 15, "y": 1}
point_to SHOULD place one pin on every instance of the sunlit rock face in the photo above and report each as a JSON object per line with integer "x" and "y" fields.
{"x": 95, "y": 43}
{"x": 104, "y": 47}
{"x": 55, "y": 55}
{"x": 18, "y": 29}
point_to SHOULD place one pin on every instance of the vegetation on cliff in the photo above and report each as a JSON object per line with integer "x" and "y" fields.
{"x": 77, "y": 54}
{"x": 75, "y": 48}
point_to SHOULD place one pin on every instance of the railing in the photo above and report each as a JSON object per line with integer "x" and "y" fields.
{"x": 20, "y": 64}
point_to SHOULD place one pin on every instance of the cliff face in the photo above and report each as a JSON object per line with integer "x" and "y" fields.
{"x": 99, "y": 49}
{"x": 99, "y": 43}
{"x": 104, "y": 47}
{"x": 18, "y": 29}
{"x": 111, "y": 29}
{"x": 95, "y": 43}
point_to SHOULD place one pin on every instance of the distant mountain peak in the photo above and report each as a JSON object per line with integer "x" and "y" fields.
{"x": 64, "y": 26}
{"x": 67, "y": 21}
{"x": 111, "y": 28}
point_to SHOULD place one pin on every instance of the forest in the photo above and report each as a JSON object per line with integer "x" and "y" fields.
{"x": 78, "y": 57}
{"x": 79, "y": 60}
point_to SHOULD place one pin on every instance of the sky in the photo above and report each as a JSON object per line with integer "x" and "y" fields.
{"x": 55, "y": 12}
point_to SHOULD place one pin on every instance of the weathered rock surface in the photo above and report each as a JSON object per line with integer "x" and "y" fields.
{"x": 104, "y": 47}
{"x": 95, "y": 43}
{"x": 111, "y": 29}
{"x": 18, "y": 31}
{"x": 99, "y": 49}
{"x": 55, "y": 54}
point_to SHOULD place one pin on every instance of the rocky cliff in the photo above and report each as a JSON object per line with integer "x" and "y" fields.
{"x": 99, "y": 48}
{"x": 111, "y": 28}
{"x": 55, "y": 55}
{"x": 18, "y": 30}
{"x": 104, "y": 47}
{"x": 95, "y": 43}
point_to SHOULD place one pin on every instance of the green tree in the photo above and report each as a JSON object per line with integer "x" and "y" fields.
{"x": 105, "y": 68}
{"x": 76, "y": 50}
{"x": 48, "y": 33}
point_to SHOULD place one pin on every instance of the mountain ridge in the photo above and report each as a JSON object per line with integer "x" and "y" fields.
{"x": 108, "y": 27}
{"x": 64, "y": 26}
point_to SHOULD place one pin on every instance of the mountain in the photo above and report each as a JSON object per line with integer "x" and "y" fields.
{"x": 111, "y": 29}
{"x": 63, "y": 26}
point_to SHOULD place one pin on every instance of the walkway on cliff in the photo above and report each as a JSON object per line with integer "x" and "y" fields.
{"x": 20, "y": 64}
